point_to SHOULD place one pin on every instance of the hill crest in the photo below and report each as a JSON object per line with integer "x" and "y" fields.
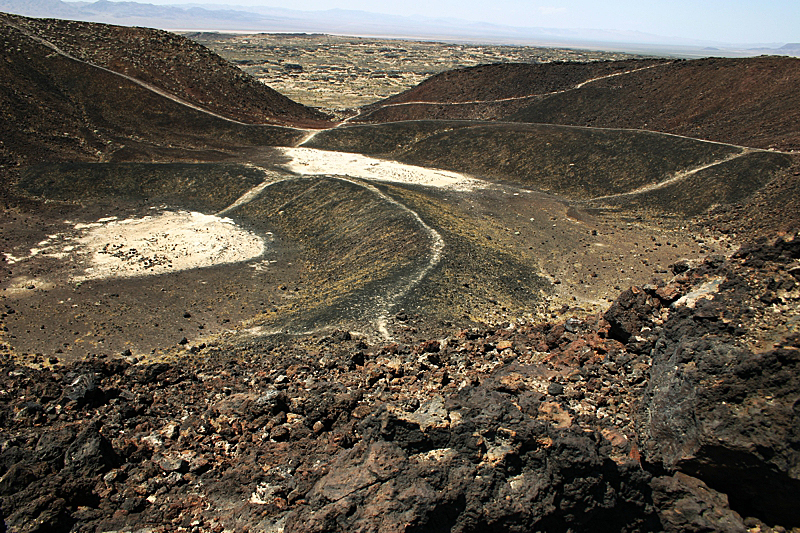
{"x": 750, "y": 102}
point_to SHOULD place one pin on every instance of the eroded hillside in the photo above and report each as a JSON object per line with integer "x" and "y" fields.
{"x": 172, "y": 63}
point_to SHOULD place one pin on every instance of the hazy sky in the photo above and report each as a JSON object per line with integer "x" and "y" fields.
{"x": 726, "y": 21}
{"x": 736, "y": 21}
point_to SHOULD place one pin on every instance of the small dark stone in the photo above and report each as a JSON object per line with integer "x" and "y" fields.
{"x": 357, "y": 358}
{"x": 679, "y": 267}
{"x": 173, "y": 464}
{"x": 279, "y": 433}
{"x": 555, "y": 389}
{"x": 272, "y": 401}
{"x": 133, "y": 504}
{"x": 32, "y": 408}
{"x": 84, "y": 390}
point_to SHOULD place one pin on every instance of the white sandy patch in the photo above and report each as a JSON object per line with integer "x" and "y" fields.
{"x": 312, "y": 162}
{"x": 167, "y": 242}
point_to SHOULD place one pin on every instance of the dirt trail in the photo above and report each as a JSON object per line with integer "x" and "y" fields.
{"x": 253, "y": 193}
{"x": 313, "y": 133}
{"x": 141, "y": 83}
{"x": 524, "y": 97}
{"x": 383, "y": 304}
{"x": 675, "y": 178}
{"x": 400, "y": 288}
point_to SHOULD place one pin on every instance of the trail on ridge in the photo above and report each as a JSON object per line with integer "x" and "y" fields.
{"x": 139, "y": 82}
{"x": 677, "y": 177}
{"x": 376, "y": 308}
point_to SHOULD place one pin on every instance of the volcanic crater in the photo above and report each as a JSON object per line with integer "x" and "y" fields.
{"x": 517, "y": 297}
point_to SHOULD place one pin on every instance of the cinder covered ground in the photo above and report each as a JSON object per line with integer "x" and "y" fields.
{"x": 439, "y": 315}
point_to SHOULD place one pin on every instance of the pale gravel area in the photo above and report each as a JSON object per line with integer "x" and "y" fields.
{"x": 313, "y": 162}
{"x": 168, "y": 241}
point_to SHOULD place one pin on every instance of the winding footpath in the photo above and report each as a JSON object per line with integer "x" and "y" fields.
{"x": 384, "y": 304}
{"x": 137, "y": 81}
{"x": 523, "y": 97}
{"x": 395, "y": 293}
{"x": 675, "y": 178}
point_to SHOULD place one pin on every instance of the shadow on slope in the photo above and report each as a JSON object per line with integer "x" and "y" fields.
{"x": 774, "y": 208}
{"x": 486, "y": 83}
{"x": 206, "y": 187}
{"x": 749, "y": 102}
{"x": 729, "y": 182}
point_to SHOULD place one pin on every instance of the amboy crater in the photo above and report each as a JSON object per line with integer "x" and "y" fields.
{"x": 543, "y": 296}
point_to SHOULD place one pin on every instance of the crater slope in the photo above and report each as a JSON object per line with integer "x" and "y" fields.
{"x": 172, "y": 63}
{"x": 59, "y": 107}
{"x": 749, "y": 102}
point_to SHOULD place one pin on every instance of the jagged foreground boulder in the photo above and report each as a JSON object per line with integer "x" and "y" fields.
{"x": 724, "y": 407}
{"x": 716, "y": 422}
{"x": 482, "y": 461}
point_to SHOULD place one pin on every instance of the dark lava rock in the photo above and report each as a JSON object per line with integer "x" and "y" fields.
{"x": 720, "y": 411}
{"x": 84, "y": 389}
{"x": 555, "y": 389}
{"x": 270, "y": 402}
{"x": 90, "y": 454}
{"x": 687, "y": 505}
{"x": 679, "y": 267}
{"x": 729, "y": 417}
{"x": 629, "y": 313}
{"x": 421, "y": 472}
{"x": 16, "y": 479}
{"x": 279, "y": 433}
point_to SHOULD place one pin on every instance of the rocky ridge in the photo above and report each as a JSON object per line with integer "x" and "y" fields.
{"x": 627, "y": 421}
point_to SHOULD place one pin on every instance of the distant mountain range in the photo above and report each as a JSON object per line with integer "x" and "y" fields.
{"x": 222, "y": 17}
